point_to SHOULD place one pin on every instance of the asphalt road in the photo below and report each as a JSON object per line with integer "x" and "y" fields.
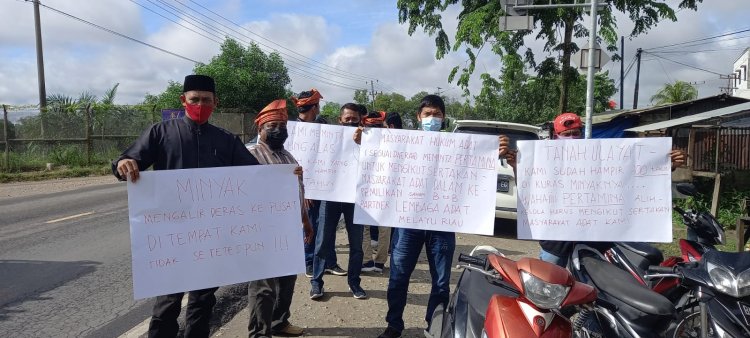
{"x": 65, "y": 266}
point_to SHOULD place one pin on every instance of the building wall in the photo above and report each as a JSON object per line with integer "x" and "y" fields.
{"x": 740, "y": 68}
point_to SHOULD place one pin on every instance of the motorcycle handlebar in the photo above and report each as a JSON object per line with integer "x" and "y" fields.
{"x": 473, "y": 260}
{"x": 661, "y": 269}
{"x": 679, "y": 210}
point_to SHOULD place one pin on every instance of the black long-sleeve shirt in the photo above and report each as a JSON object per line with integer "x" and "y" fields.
{"x": 183, "y": 144}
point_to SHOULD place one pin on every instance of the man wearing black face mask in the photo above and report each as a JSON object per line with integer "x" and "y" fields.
{"x": 269, "y": 299}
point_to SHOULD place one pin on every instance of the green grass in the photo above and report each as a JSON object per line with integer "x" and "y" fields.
{"x": 97, "y": 170}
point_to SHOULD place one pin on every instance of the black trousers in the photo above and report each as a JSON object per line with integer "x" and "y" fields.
{"x": 269, "y": 301}
{"x": 197, "y": 314}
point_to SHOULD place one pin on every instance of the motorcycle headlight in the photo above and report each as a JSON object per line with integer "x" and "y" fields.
{"x": 543, "y": 294}
{"x": 726, "y": 282}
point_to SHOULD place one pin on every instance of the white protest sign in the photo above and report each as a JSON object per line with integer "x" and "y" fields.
{"x": 595, "y": 190}
{"x": 428, "y": 180}
{"x": 328, "y": 155}
{"x": 198, "y": 228}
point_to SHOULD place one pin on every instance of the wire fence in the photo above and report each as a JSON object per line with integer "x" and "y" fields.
{"x": 88, "y": 135}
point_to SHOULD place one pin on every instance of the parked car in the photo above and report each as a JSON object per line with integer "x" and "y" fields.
{"x": 505, "y": 199}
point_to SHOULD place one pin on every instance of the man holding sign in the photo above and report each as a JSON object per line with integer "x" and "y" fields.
{"x": 408, "y": 244}
{"x": 325, "y": 240}
{"x": 566, "y": 126}
{"x": 190, "y": 142}
{"x": 308, "y": 105}
{"x": 269, "y": 299}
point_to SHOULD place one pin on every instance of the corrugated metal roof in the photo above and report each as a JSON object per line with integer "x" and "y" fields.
{"x": 741, "y": 123}
{"x": 612, "y": 114}
{"x": 693, "y": 118}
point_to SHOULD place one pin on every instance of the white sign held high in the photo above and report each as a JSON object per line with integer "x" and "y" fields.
{"x": 328, "y": 155}
{"x": 428, "y": 180}
{"x": 595, "y": 190}
{"x": 193, "y": 229}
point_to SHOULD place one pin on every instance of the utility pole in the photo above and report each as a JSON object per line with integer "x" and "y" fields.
{"x": 372, "y": 92}
{"x": 622, "y": 72}
{"x": 39, "y": 57}
{"x": 730, "y": 86}
{"x": 637, "y": 77}
{"x": 40, "y": 66}
{"x": 591, "y": 71}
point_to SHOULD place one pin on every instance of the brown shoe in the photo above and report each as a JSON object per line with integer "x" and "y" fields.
{"x": 290, "y": 331}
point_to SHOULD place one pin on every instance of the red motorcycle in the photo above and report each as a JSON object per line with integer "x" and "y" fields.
{"x": 497, "y": 297}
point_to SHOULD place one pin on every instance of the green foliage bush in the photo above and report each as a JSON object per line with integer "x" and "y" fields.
{"x": 730, "y": 203}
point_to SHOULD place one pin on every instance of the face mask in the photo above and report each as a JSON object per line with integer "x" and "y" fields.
{"x": 432, "y": 123}
{"x": 350, "y": 124}
{"x": 198, "y": 113}
{"x": 276, "y": 137}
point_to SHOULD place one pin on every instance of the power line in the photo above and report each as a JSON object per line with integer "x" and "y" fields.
{"x": 361, "y": 77}
{"x": 117, "y": 33}
{"x": 166, "y": 51}
{"x": 698, "y": 51}
{"x": 627, "y": 71}
{"x": 272, "y": 42}
{"x": 301, "y": 61}
{"x": 176, "y": 22}
{"x": 701, "y": 39}
{"x": 661, "y": 64}
{"x": 291, "y": 61}
{"x": 714, "y": 42}
{"x": 291, "y": 65}
{"x": 685, "y": 64}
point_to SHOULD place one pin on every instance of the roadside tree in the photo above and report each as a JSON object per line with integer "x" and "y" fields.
{"x": 478, "y": 29}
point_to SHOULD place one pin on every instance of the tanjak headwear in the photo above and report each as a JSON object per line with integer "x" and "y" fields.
{"x": 274, "y": 111}
{"x": 567, "y": 121}
{"x": 199, "y": 82}
{"x": 307, "y": 99}
{"x": 374, "y": 118}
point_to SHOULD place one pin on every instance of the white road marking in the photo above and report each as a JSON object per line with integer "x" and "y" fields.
{"x": 69, "y": 217}
{"x": 141, "y": 329}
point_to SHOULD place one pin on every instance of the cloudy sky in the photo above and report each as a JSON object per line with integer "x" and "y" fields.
{"x": 335, "y": 46}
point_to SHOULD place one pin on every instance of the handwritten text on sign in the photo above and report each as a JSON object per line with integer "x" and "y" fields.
{"x": 428, "y": 180}
{"x": 198, "y": 228}
{"x": 595, "y": 190}
{"x": 328, "y": 156}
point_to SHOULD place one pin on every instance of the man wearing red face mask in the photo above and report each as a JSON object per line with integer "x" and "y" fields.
{"x": 190, "y": 142}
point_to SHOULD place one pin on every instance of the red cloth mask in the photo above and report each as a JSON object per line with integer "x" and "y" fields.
{"x": 198, "y": 113}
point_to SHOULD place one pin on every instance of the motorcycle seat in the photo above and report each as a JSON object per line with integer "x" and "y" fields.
{"x": 652, "y": 254}
{"x": 620, "y": 285}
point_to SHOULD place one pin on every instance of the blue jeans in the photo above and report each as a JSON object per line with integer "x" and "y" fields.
{"x": 407, "y": 245}
{"x": 325, "y": 242}
{"x": 313, "y": 213}
{"x": 552, "y": 258}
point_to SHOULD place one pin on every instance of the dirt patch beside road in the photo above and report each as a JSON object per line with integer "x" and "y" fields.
{"x": 340, "y": 315}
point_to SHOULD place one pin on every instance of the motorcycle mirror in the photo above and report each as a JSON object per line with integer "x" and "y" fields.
{"x": 686, "y": 189}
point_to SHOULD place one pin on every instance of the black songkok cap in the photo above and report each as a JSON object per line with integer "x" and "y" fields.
{"x": 199, "y": 82}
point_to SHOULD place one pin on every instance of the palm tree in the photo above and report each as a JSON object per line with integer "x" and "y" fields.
{"x": 678, "y": 91}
